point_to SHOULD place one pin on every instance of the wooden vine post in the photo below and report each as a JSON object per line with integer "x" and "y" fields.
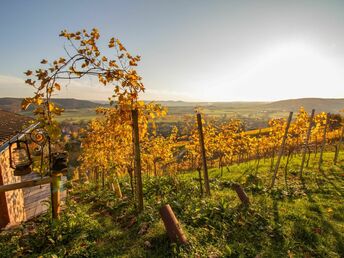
{"x": 59, "y": 166}
{"x": 281, "y": 150}
{"x": 200, "y": 181}
{"x": 116, "y": 188}
{"x": 203, "y": 154}
{"x": 305, "y": 146}
{"x": 338, "y": 146}
{"x": 323, "y": 143}
{"x": 172, "y": 226}
{"x": 137, "y": 160}
{"x": 96, "y": 177}
{"x": 55, "y": 195}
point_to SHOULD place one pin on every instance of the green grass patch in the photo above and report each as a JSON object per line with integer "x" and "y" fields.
{"x": 294, "y": 219}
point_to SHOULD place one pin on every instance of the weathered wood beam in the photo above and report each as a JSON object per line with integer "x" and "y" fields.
{"x": 24, "y": 184}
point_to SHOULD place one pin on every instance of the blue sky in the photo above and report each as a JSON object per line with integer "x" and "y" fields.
{"x": 191, "y": 50}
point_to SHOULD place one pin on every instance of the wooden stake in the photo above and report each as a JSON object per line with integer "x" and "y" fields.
{"x": 97, "y": 178}
{"x": 172, "y": 226}
{"x": 281, "y": 149}
{"x": 305, "y": 146}
{"x": 200, "y": 181}
{"x": 323, "y": 143}
{"x": 103, "y": 178}
{"x": 204, "y": 158}
{"x": 55, "y": 195}
{"x": 137, "y": 160}
{"x": 116, "y": 188}
{"x": 338, "y": 147}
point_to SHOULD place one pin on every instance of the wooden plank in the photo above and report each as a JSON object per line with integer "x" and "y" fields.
{"x": 30, "y": 183}
{"x": 36, "y": 204}
{"x": 36, "y": 191}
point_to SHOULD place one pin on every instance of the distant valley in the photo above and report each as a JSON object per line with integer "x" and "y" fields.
{"x": 254, "y": 114}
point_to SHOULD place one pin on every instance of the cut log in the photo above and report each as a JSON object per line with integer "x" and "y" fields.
{"x": 241, "y": 194}
{"x": 172, "y": 226}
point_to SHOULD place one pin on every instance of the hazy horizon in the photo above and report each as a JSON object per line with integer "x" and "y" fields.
{"x": 194, "y": 101}
{"x": 218, "y": 51}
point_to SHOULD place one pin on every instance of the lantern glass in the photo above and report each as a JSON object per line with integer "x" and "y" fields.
{"x": 21, "y": 157}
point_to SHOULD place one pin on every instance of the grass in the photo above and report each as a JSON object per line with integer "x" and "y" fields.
{"x": 300, "y": 219}
{"x": 77, "y": 115}
{"x": 176, "y": 114}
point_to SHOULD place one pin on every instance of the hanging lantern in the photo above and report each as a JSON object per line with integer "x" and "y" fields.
{"x": 20, "y": 159}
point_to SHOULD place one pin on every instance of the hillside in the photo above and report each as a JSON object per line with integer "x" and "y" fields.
{"x": 184, "y": 107}
{"x": 13, "y": 104}
{"x": 303, "y": 220}
{"x": 319, "y": 104}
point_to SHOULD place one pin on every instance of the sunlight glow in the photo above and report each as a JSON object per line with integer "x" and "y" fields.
{"x": 288, "y": 70}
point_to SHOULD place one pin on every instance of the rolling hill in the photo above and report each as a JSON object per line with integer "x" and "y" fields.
{"x": 13, "y": 104}
{"x": 319, "y": 104}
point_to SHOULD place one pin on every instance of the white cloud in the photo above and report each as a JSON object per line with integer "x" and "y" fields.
{"x": 13, "y": 87}
{"x": 154, "y": 94}
{"x": 85, "y": 88}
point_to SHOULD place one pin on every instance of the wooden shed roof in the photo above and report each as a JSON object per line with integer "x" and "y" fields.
{"x": 11, "y": 124}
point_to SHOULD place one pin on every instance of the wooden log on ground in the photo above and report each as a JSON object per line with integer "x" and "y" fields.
{"x": 172, "y": 226}
{"x": 241, "y": 193}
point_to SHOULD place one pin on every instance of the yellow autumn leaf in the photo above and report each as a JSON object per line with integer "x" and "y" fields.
{"x": 121, "y": 47}
{"x": 39, "y": 101}
{"x": 132, "y": 63}
{"x": 26, "y": 103}
{"x": 112, "y": 42}
{"x": 57, "y": 86}
{"x": 28, "y": 73}
{"x": 51, "y": 106}
{"x": 29, "y": 81}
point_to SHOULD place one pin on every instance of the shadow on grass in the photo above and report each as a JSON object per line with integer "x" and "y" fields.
{"x": 279, "y": 242}
{"x": 325, "y": 224}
